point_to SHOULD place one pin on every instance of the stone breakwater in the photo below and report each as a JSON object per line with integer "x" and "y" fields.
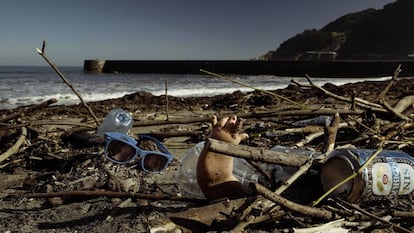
{"x": 351, "y": 68}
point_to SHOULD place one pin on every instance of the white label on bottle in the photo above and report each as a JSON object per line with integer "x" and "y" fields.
{"x": 392, "y": 179}
{"x": 407, "y": 178}
{"x": 381, "y": 179}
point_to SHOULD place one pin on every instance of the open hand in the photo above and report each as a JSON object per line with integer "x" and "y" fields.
{"x": 227, "y": 129}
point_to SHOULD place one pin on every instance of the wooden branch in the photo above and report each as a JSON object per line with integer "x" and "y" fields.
{"x": 302, "y": 170}
{"x": 318, "y": 112}
{"x": 403, "y": 214}
{"x": 306, "y": 210}
{"x": 319, "y": 133}
{"x": 255, "y": 154}
{"x": 15, "y": 148}
{"x": 305, "y": 129}
{"x": 359, "y": 102}
{"x": 309, "y": 138}
{"x": 166, "y": 100}
{"x": 64, "y": 122}
{"x": 330, "y": 134}
{"x": 99, "y": 193}
{"x": 373, "y": 216}
{"x": 353, "y": 101}
{"x": 392, "y": 111}
{"x": 388, "y": 87}
{"x": 29, "y": 109}
{"x": 334, "y": 226}
{"x": 162, "y": 135}
{"x": 404, "y": 103}
{"x": 399, "y": 130}
{"x": 255, "y": 88}
{"x": 42, "y": 54}
{"x": 302, "y": 85}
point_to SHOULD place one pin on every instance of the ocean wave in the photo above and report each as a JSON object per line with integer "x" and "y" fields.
{"x": 33, "y": 86}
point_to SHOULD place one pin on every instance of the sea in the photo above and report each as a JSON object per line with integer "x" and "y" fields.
{"x": 28, "y": 85}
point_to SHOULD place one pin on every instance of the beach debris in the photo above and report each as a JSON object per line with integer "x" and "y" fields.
{"x": 26, "y": 110}
{"x": 57, "y": 167}
{"x": 117, "y": 120}
{"x": 319, "y": 120}
{"x": 122, "y": 179}
{"x": 15, "y": 148}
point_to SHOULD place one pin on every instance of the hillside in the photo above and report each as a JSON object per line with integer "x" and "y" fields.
{"x": 370, "y": 34}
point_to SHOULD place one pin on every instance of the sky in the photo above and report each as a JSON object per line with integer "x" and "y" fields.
{"x": 75, "y": 30}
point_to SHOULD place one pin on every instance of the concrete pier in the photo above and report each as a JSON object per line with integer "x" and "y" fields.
{"x": 343, "y": 69}
{"x": 94, "y": 66}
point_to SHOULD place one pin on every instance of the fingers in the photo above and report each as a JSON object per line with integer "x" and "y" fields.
{"x": 224, "y": 122}
{"x": 227, "y": 129}
{"x": 214, "y": 120}
{"x": 243, "y": 136}
{"x": 231, "y": 124}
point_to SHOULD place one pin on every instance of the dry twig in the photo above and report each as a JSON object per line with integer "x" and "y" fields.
{"x": 42, "y": 54}
{"x": 255, "y": 154}
{"x": 306, "y": 210}
{"x": 15, "y": 148}
{"x": 28, "y": 109}
{"x": 359, "y": 102}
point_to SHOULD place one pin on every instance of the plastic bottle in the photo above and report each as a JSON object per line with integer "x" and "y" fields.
{"x": 283, "y": 173}
{"x": 187, "y": 174}
{"x": 117, "y": 120}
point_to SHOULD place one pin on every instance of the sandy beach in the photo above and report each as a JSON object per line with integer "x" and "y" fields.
{"x": 61, "y": 154}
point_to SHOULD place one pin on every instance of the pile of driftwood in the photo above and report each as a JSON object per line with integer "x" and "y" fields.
{"x": 385, "y": 126}
{"x": 374, "y": 124}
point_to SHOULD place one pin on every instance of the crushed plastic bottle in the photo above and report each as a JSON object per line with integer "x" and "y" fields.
{"x": 283, "y": 173}
{"x": 319, "y": 120}
{"x": 187, "y": 174}
{"x": 117, "y": 120}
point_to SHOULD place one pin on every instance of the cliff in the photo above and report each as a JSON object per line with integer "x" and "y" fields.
{"x": 367, "y": 35}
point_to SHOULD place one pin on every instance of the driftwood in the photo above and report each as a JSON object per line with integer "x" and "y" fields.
{"x": 255, "y": 154}
{"x": 330, "y": 134}
{"x": 355, "y": 207}
{"x": 357, "y": 101}
{"x": 55, "y": 68}
{"x": 391, "y": 82}
{"x": 100, "y": 193}
{"x": 28, "y": 109}
{"x": 392, "y": 111}
{"x": 404, "y": 103}
{"x": 255, "y": 88}
{"x": 61, "y": 122}
{"x": 258, "y": 115}
{"x": 306, "y": 210}
{"x": 337, "y": 226}
{"x": 15, "y": 148}
{"x": 271, "y": 206}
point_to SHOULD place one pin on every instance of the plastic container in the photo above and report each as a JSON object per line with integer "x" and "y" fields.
{"x": 187, "y": 174}
{"x": 117, "y": 120}
{"x": 390, "y": 174}
{"x": 283, "y": 173}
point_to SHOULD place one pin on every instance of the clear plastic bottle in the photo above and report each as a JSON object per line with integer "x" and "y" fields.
{"x": 187, "y": 174}
{"x": 117, "y": 120}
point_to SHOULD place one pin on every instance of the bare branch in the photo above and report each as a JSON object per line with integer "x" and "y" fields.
{"x": 41, "y": 53}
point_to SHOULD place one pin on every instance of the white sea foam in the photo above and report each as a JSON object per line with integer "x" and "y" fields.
{"x": 32, "y": 85}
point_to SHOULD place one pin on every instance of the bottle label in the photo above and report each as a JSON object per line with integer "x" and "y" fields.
{"x": 392, "y": 178}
